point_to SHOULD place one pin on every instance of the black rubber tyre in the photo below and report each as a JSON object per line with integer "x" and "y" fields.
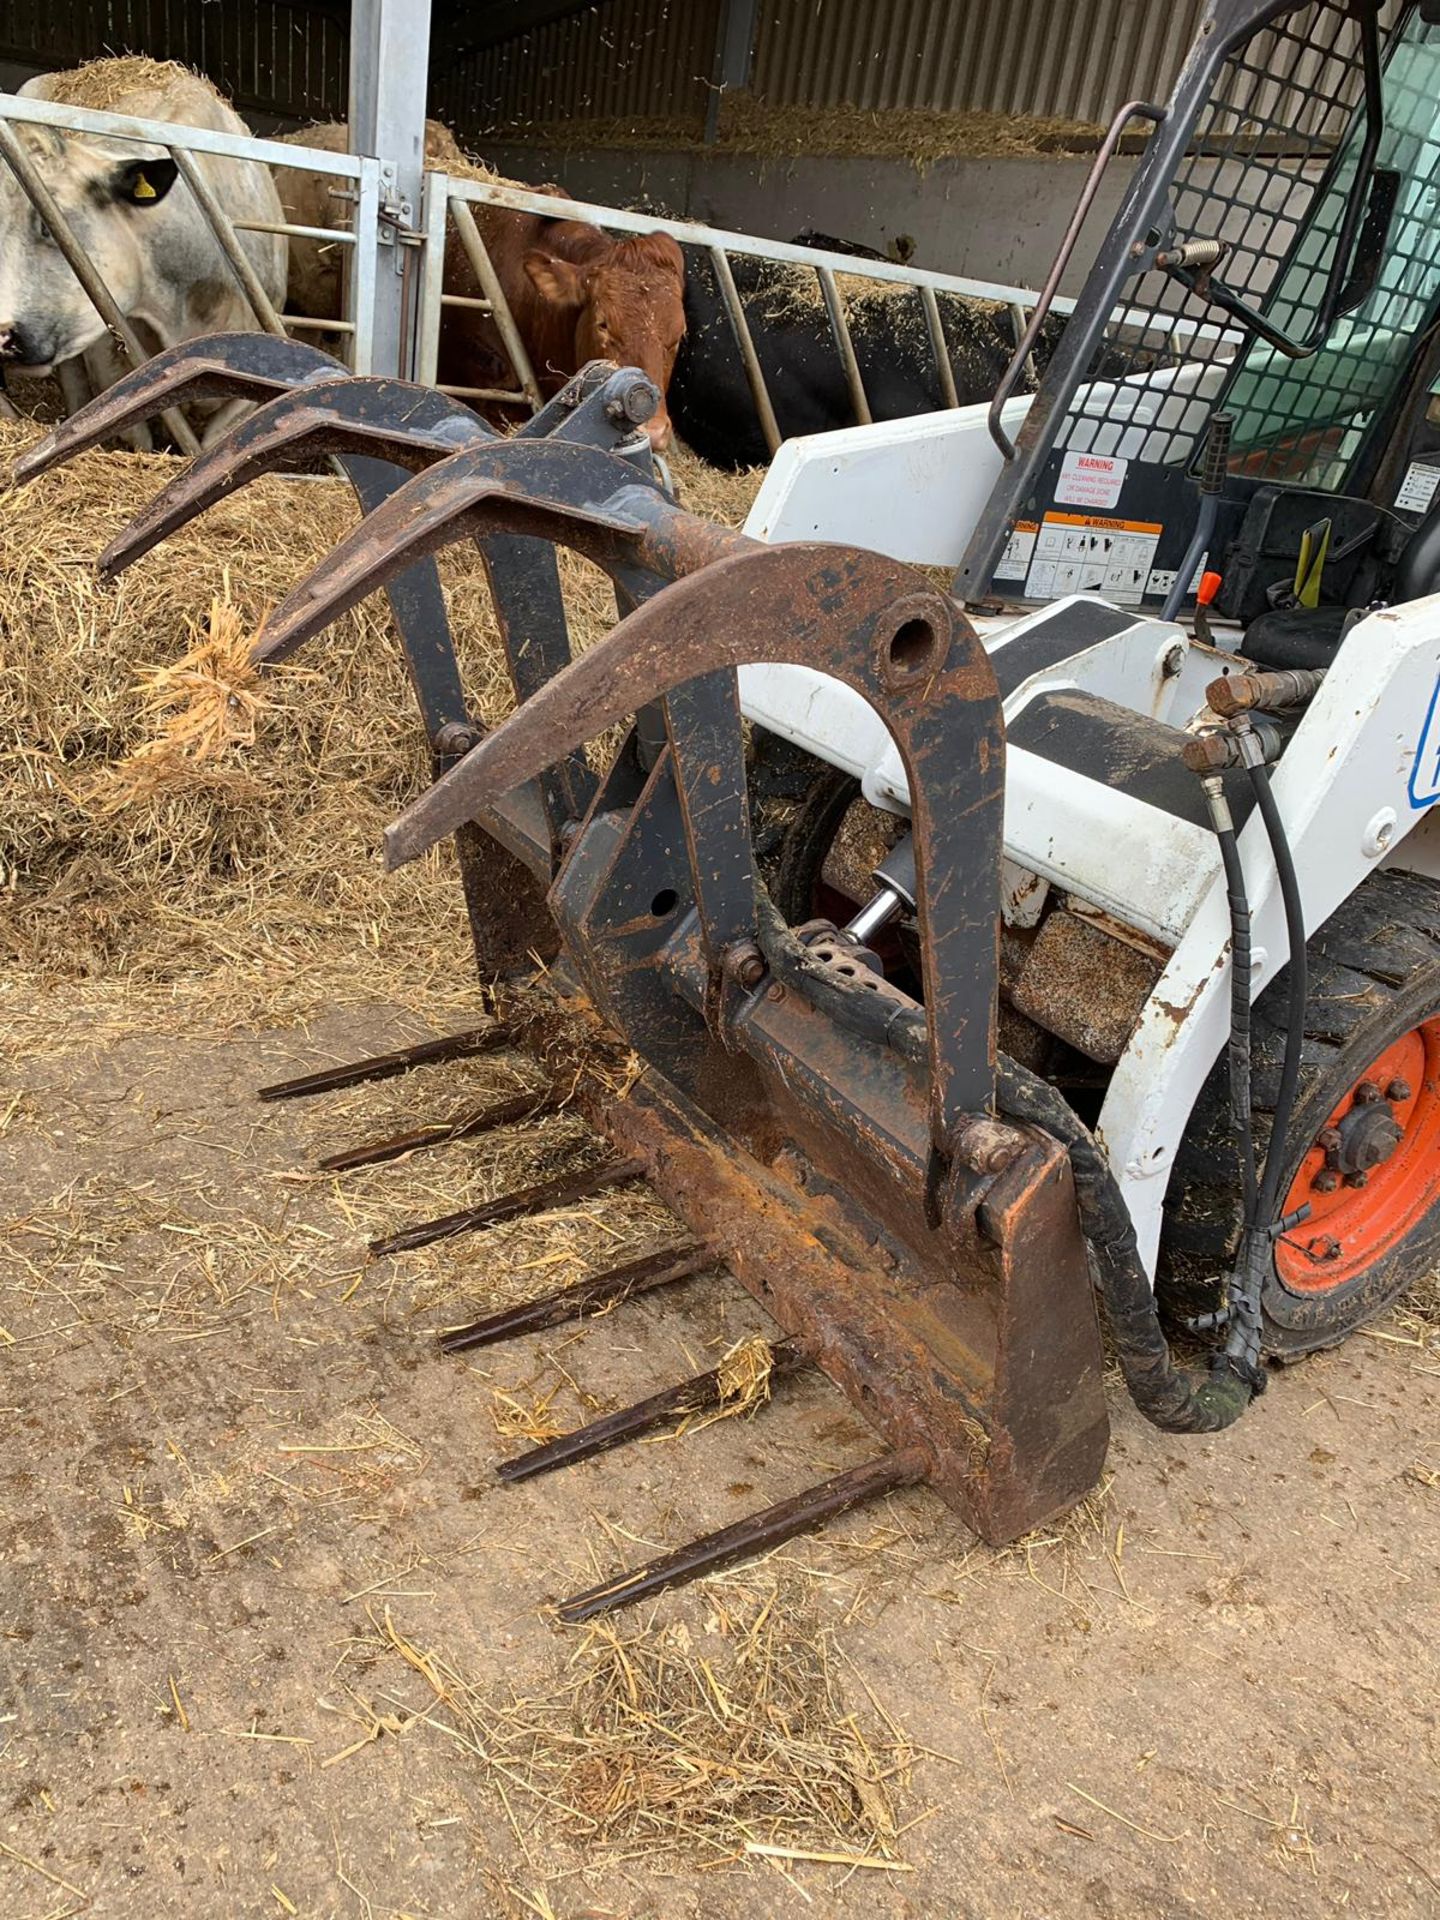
{"x": 1374, "y": 978}
{"x": 806, "y": 840}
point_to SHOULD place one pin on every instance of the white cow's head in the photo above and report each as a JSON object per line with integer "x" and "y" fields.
{"x": 114, "y": 198}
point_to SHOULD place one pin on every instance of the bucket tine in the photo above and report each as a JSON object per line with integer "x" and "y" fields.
{"x": 218, "y": 366}
{"x": 500, "y": 1113}
{"x": 595, "y": 1294}
{"x": 756, "y": 1534}
{"x": 386, "y": 1066}
{"x": 696, "y": 1395}
{"x": 387, "y": 419}
{"x": 570, "y": 494}
{"x": 558, "y": 1191}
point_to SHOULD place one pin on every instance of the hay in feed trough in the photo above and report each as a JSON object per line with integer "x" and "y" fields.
{"x": 166, "y": 820}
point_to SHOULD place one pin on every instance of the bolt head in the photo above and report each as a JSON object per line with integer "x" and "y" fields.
{"x": 1367, "y": 1094}
{"x": 1399, "y": 1090}
{"x": 1359, "y": 1178}
{"x": 1329, "y": 1139}
{"x": 1326, "y": 1181}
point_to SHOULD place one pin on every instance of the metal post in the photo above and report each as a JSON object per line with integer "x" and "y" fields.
{"x": 744, "y": 340}
{"x": 389, "y": 64}
{"x": 239, "y": 261}
{"x": 478, "y": 256}
{"x": 936, "y": 331}
{"x": 845, "y": 346}
{"x": 734, "y": 48}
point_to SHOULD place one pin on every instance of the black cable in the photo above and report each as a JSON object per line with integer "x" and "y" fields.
{"x": 1169, "y": 1396}
{"x": 1238, "y": 1050}
{"x": 1298, "y": 981}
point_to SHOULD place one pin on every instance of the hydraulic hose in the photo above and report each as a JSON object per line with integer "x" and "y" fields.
{"x": 1238, "y": 1049}
{"x": 1169, "y": 1396}
{"x": 1252, "y": 1267}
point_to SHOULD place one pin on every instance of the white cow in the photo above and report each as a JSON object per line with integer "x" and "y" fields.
{"x": 136, "y": 220}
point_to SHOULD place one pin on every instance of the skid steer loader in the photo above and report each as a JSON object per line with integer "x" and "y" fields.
{"x": 1039, "y": 948}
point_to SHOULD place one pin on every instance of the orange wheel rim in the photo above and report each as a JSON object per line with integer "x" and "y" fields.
{"x": 1388, "y": 1129}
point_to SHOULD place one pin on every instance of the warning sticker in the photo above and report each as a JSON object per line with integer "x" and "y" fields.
{"x": 1014, "y": 563}
{"x": 1417, "y": 489}
{"x": 1090, "y": 479}
{"x": 1084, "y": 553}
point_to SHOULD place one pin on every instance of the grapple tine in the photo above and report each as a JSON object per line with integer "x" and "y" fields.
{"x": 500, "y": 1113}
{"x": 576, "y": 495}
{"x": 386, "y": 1066}
{"x": 388, "y": 419}
{"x": 695, "y": 1395}
{"x": 218, "y": 366}
{"x": 757, "y": 1533}
{"x": 595, "y": 1294}
{"x": 558, "y": 1191}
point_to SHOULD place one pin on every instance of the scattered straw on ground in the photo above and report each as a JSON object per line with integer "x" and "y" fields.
{"x": 735, "y": 1741}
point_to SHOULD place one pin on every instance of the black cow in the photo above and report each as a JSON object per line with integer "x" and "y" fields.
{"x": 710, "y": 402}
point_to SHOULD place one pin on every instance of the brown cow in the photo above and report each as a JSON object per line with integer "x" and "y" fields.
{"x": 576, "y": 293}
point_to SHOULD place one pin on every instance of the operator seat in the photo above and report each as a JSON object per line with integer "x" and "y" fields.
{"x": 1309, "y": 636}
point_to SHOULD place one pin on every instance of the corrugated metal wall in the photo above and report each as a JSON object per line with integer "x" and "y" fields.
{"x": 283, "y": 57}
{"x": 1072, "y": 59}
{"x": 617, "y": 60}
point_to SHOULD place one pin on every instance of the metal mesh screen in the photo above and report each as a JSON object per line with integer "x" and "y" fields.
{"x": 1303, "y": 421}
{"x": 1260, "y": 155}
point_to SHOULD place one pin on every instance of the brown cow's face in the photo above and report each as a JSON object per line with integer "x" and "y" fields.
{"x": 628, "y": 306}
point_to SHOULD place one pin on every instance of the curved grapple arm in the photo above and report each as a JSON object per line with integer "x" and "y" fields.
{"x": 571, "y": 495}
{"x": 390, "y": 420}
{"x": 217, "y": 366}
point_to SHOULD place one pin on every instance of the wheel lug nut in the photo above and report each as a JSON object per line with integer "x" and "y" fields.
{"x": 1367, "y": 1093}
{"x": 1358, "y": 1179}
{"x": 1398, "y": 1090}
{"x": 1329, "y": 1139}
{"x": 1326, "y": 1181}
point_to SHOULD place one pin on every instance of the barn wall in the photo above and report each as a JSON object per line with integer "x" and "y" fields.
{"x": 1071, "y": 59}
{"x": 617, "y": 60}
{"x": 280, "y": 61}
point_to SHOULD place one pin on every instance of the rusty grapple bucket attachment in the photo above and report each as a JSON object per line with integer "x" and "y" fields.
{"x": 831, "y": 1139}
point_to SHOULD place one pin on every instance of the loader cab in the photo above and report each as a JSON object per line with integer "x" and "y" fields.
{"x": 1286, "y": 165}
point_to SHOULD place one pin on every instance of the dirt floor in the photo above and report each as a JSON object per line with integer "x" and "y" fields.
{"x": 275, "y": 1642}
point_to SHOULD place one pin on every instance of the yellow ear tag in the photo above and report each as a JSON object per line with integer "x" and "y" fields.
{"x": 142, "y": 189}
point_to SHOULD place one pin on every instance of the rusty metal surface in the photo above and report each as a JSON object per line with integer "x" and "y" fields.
{"x": 392, "y": 420}
{"x": 598, "y": 1293}
{"x": 572, "y": 495}
{"x": 557, "y": 1191}
{"x": 985, "y": 1359}
{"x": 388, "y": 1066}
{"x": 745, "y": 1538}
{"x": 877, "y": 626}
{"x": 828, "y": 1136}
{"x": 698, "y": 1394}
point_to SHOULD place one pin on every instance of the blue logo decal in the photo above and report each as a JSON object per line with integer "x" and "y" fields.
{"x": 1425, "y": 772}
